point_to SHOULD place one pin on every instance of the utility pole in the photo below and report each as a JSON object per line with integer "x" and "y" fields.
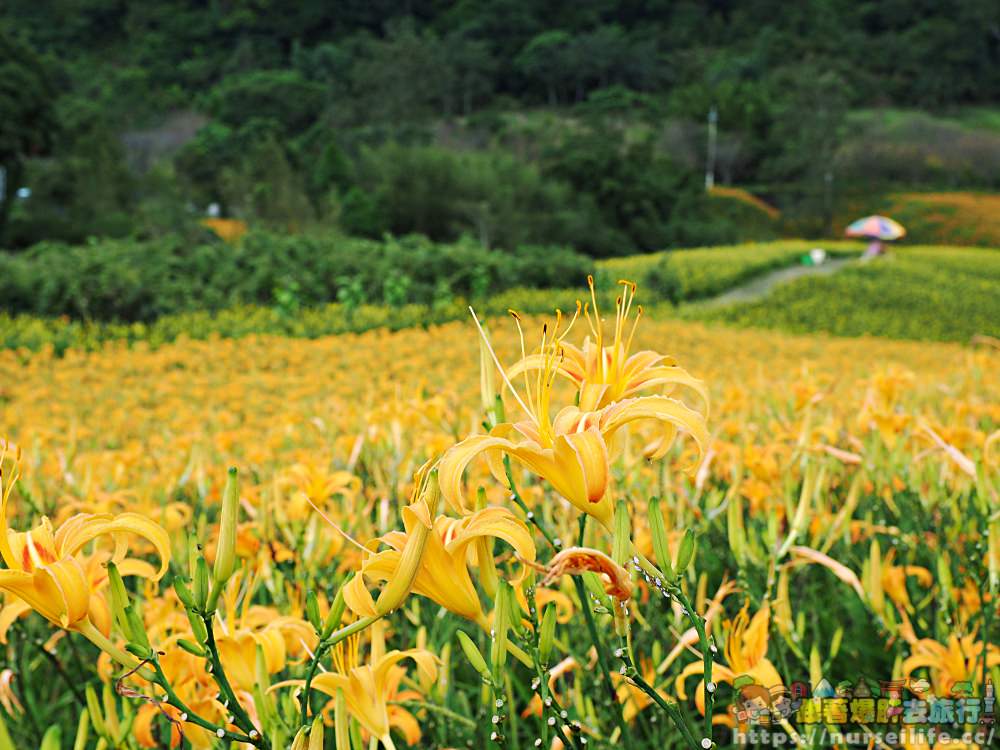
{"x": 713, "y": 121}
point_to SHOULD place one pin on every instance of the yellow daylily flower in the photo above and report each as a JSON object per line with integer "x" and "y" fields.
{"x": 894, "y": 580}
{"x": 573, "y": 451}
{"x": 746, "y": 656}
{"x": 606, "y": 373}
{"x": 955, "y": 662}
{"x": 46, "y": 570}
{"x": 368, "y": 688}
{"x": 443, "y": 571}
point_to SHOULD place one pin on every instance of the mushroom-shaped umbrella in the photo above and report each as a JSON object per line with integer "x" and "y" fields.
{"x": 876, "y": 228}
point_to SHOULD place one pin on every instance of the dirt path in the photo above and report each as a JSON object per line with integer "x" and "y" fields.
{"x": 760, "y": 286}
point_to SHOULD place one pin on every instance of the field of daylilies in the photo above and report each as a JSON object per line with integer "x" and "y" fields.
{"x": 594, "y": 528}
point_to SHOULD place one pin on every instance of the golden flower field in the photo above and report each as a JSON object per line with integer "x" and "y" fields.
{"x": 628, "y": 548}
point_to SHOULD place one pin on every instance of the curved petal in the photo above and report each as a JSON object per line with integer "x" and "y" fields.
{"x": 14, "y": 609}
{"x": 661, "y": 409}
{"x": 456, "y": 459}
{"x": 499, "y": 523}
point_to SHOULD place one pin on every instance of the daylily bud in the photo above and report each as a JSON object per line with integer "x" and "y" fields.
{"x": 342, "y": 721}
{"x": 316, "y": 734}
{"x": 301, "y": 741}
{"x": 876, "y": 594}
{"x": 993, "y": 550}
{"x": 815, "y": 666}
{"x": 501, "y": 623}
{"x": 735, "y": 528}
{"x": 621, "y": 542}
{"x": 201, "y": 577}
{"x": 52, "y": 739}
{"x": 137, "y": 630}
{"x": 82, "y": 731}
{"x": 838, "y": 636}
{"x": 94, "y": 709}
{"x": 6, "y": 743}
{"x": 398, "y": 587}
{"x": 945, "y": 580}
{"x": 184, "y": 594}
{"x": 661, "y": 546}
{"x": 312, "y": 611}
{"x": 336, "y": 613}
{"x": 686, "y": 553}
{"x": 118, "y": 601}
{"x": 225, "y": 554}
{"x": 198, "y": 628}
{"x": 472, "y": 653}
{"x": 547, "y": 633}
{"x": 487, "y": 380}
{"x": 191, "y": 647}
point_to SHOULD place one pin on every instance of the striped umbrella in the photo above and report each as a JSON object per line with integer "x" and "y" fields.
{"x": 877, "y": 227}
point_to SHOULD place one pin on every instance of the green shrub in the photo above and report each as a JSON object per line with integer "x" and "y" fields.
{"x": 129, "y": 281}
{"x": 928, "y": 293}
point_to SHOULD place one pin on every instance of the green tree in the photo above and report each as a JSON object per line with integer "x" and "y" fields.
{"x": 28, "y": 125}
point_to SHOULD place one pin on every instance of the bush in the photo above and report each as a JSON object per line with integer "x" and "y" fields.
{"x": 125, "y": 280}
{"x": 927, "y": 293}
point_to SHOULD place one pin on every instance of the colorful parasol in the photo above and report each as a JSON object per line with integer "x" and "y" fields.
{"x": 877, "y": 227}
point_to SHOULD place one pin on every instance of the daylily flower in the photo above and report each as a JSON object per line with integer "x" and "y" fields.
{"x": 958, "y": 661}
{"x": 894, "y": 580}
{"x": 443, "y": 573}
{"x": 369, "y": 688}
{"x": 46, "y": 570}
{"x": 574, "y": 450}
{"x": 746, "y": 656}
{"x": 606, "y": 373}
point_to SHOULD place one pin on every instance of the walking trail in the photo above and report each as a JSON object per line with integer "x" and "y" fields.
{"x": 761, "y": 285}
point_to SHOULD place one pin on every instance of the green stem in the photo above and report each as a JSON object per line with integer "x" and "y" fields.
{"x": 240, "y": 716}
{"x": 581, "y": 592}
{"x": 698, "y": 623}
{"x": 174, "y": 700}
{"x": 671, "y": 708}
{"x": 321, "y": 648}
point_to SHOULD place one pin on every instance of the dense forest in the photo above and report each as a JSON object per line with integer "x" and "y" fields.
{"x": 575, "y": 123}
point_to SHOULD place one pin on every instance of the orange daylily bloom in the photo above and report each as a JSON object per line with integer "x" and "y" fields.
{"x": 443, "y": 572}
{"x": 46, "y": 570}
{"x": 604, "y": 374}
{"x": 955, "y": 662}
{"x": 369, "y": 688}
{"x": 746, "y": 656}
{"x": 574, "y": 450}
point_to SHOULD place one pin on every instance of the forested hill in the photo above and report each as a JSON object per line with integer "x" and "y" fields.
{"x": 575, "y": 123}
{"x": 383, "y": 59}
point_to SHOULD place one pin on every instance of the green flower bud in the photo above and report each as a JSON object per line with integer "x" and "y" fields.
{"x": 225, "y": 553}
{"x": 118, "y": 600}
{"x": 336, "y": 613}
{"x": 201, "y": 577}
{"x": 191, "y": 647}
{"x": 472, "y": 653}
{"x": 547, "y": 633}
{"x": 621, "y": 542}
{"x": 183, "y": 593}
{"x": 686, "y": 553}
{"x": 312, "y": 611}
{"x": 661, "y": 545}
